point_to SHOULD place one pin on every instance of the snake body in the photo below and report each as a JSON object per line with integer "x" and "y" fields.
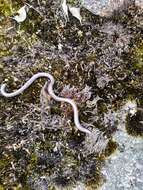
{"x": 51, "y": 93}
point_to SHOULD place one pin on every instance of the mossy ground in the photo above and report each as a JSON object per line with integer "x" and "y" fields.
{"x": 111, "y": 64}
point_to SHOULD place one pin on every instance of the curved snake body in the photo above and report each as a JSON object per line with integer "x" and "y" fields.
{"x": 51, "y": 93}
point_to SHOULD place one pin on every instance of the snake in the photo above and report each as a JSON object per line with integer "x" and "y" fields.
{"x": 51, "y": 93}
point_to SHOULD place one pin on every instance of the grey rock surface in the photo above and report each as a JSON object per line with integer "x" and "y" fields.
{"x": 124, "y": 169}
{"x": 139, "y": 3}
{"x": 104, "y": 7}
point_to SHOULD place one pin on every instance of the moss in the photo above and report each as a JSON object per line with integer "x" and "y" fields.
{"x": 74, "y": 2}
{"x": 95, "y": 182}
{"x": 33, "y": 160}
{"x": 138, "y": 54}
{"x": 4, "y": 163}
{"x": 2, "y": 188}
{"x": 55, "y": 152}
{"x": 4, "y": 49}
{"x": 134, "y": 124}
{"x": 6, "y": 7}
{"x": 110, "y": 149}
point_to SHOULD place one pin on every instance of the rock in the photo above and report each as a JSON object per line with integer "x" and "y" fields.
{"x": 139, "y": 3}
{"x": 124, "y": 170}
{"x": 104, "y": 7}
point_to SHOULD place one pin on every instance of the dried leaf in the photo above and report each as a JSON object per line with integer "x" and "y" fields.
{"x": 65, "y": 9}
{"x": 75, "y": 12}
{"x": 22, "y": 14}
